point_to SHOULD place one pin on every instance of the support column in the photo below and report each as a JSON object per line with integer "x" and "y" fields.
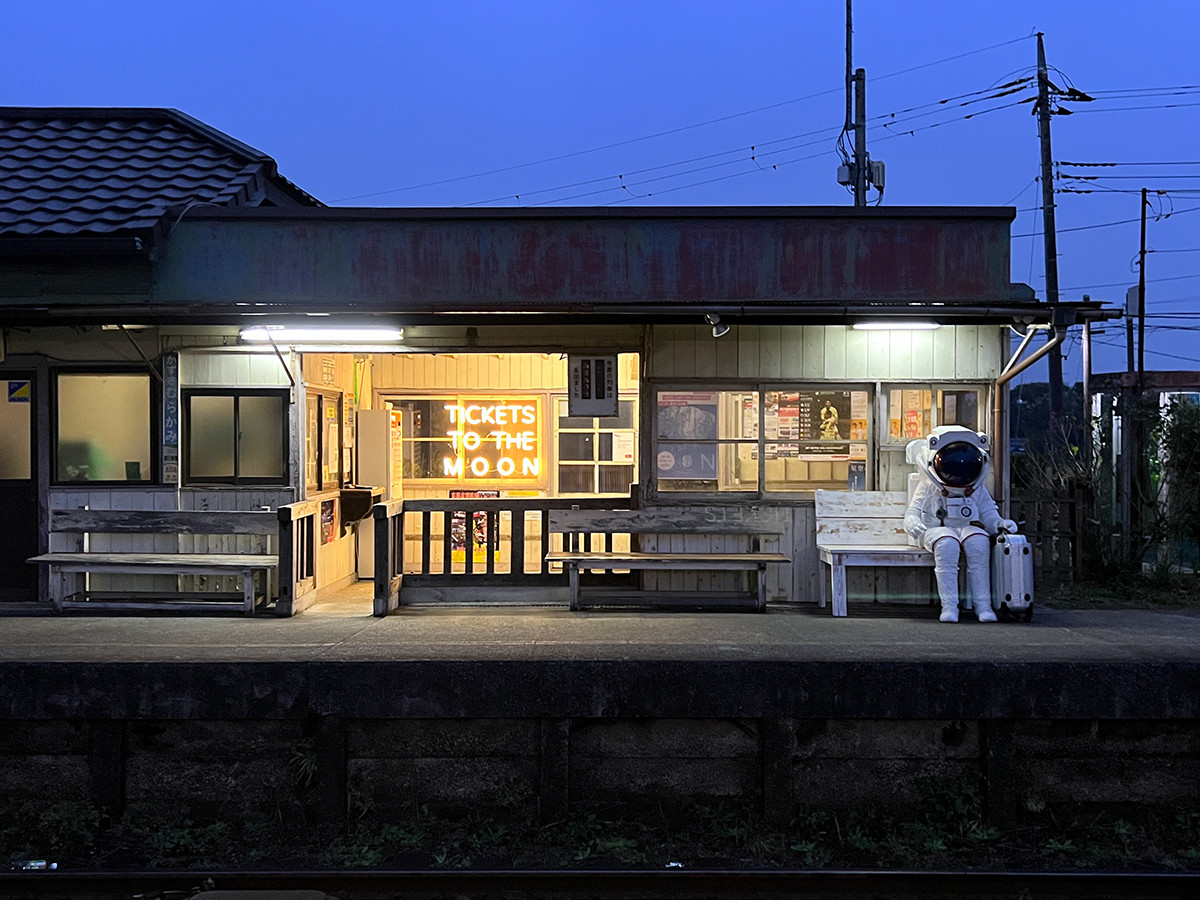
{"x": 999, "y": 772}
{"x": 330, "y": 747}
{"x": 554, "y": 769}
{"x": 106, "y": 766}
{"x": 778, "y": 743}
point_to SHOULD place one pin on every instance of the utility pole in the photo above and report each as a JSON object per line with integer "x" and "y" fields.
{"x": 860, "y": 137}
{"x": 1050, "y": 240}
{"x": 857, "y": 171}
{"x": 1141, "y": 362}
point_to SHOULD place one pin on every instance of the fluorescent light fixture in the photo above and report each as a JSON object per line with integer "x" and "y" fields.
{"x": 895, "y": 325}
{"x": 328, "y": 335}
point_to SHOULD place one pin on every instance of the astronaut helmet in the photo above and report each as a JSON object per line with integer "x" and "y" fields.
{"x": 955, "y": 457}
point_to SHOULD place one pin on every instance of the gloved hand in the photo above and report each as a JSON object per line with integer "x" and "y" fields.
{"x": 1007, "y": 525}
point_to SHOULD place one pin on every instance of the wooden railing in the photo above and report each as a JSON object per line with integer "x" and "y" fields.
{"x": 297, "y": 553}
{"x": 470, "y": 543}
{"x": 1054, "y": 528}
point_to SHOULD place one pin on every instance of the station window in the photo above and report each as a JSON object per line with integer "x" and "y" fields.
{"x": 323, "y": 441}
{"x": 102, "y": 427}
{"x": 786, "y": 438}
{"x": 911, "y": 411}
{"x": 235, "y": 437}
{"x": 596, "y": 455}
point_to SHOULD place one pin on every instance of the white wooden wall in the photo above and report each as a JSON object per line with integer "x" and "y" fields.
{"x": 836, "y": 352}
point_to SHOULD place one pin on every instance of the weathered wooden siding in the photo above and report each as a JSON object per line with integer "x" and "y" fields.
{"x": 807, "y": 352}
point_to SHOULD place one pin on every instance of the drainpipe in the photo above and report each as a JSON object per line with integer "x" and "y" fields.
{"x": 999, "y": 406}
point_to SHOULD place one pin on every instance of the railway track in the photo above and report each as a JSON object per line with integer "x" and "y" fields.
{"x": 602, "y": 885}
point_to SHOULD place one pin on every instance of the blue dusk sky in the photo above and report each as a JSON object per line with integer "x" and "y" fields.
{"x": 604, "y": 102}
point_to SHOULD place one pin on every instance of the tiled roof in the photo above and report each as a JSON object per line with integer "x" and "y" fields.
{"x": 96, "y": 171}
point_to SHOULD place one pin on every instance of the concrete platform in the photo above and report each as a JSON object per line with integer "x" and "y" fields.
{"x": 464, "y": 662}
{"x": 486, "y": 707}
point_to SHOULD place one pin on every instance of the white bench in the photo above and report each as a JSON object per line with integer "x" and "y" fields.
{"x": 81, "y": 522}
{"x": 574, "y": 524}
{"x": 862, "y": 528}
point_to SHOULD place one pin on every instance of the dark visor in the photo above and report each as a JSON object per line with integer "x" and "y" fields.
{"x": 958, "y": 464}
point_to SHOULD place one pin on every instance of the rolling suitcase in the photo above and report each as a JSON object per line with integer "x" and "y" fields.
{"x": 1012, "y": 577}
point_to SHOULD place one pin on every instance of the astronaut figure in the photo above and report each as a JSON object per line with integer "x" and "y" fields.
{"x": 951, "y": 511}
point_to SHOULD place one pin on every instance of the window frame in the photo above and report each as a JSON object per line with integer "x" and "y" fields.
{"x": 237, "y": 393}
{"x": 154, "y": 426}
{"x": 597, "y": 428}
{"x": 761, "y": 387}
{"x": 323, "y": 397}
{"x": 936, "y": 388}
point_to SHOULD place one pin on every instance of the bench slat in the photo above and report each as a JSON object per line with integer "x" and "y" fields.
{"x": 861, "y": 504}
{"x": 695, "y": 599}
{"x": 861, "y": 531}
{"x": 665, "y": 561}
{"x": 120, "y": 521}
{"x": 164, "y": 560}
{"x": 653, "y": 521}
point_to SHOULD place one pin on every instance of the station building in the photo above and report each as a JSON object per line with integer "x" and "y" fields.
{"x": 185, "y": 329}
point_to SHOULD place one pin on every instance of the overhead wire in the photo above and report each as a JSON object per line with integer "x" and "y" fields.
{"x": 671, "y": 131}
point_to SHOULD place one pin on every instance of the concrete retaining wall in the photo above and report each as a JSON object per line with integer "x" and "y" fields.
{"x": 331, "y": 768}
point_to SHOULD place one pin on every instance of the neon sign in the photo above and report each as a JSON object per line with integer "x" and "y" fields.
{"x": 493, "y": 440}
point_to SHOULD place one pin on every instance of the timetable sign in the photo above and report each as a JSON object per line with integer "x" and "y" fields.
{"x": 593, "y": 386}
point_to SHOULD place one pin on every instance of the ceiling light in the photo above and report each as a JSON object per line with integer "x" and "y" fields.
{"x": 896, "y": 325}
{"x": 330, "y": 335}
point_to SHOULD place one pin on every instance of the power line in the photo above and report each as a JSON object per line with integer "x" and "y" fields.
{"x": 627, "y": 185}
{"x": 1094, "y": 164}
{"x": 1108, "y": 109}
{"x": 1121, "y": 346}
{"x": 1085, "y": 287}
{"x": 1178, "y": 212}
{"x": 671, "y": 131}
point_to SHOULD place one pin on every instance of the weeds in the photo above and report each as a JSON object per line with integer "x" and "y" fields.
{"x": 944, "y": 826}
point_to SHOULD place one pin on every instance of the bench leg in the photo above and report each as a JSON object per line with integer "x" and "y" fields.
{"x": 823, "y": 582}
{"x": 248, "y": 591}
{"x": 839, "y": 587}
{"x": 573, "y": 579}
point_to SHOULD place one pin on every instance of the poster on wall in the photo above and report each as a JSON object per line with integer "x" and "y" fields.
{"x": 817, "y": 425}
{"x": 478, "y": 539}
{"x": 328, "y": 521}
{"x": 687, "y": 416}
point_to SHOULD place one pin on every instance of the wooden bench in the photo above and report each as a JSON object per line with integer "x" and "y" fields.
{"x": 578, "y": 524}
{"x": 92, "y": 522}
{"x": 862, "y": 528}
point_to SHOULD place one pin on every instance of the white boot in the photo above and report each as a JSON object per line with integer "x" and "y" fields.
{"x": 949, "y": 609}
{"x": 977, "y": 549}
{"x": 945, "y": 569}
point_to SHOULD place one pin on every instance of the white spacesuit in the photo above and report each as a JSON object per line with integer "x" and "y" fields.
{"x": 952, "y": 511}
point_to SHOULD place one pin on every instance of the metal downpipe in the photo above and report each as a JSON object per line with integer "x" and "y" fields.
{"x": 1000, "y": 406}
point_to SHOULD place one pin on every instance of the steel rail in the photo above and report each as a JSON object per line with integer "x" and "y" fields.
{"x": 607, "y": 884}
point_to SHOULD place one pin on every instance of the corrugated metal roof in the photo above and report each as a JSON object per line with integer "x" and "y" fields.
{"x": 102, "y": 171}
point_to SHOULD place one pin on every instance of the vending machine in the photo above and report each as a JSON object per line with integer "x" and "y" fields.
{"x": 379, "y": 447}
